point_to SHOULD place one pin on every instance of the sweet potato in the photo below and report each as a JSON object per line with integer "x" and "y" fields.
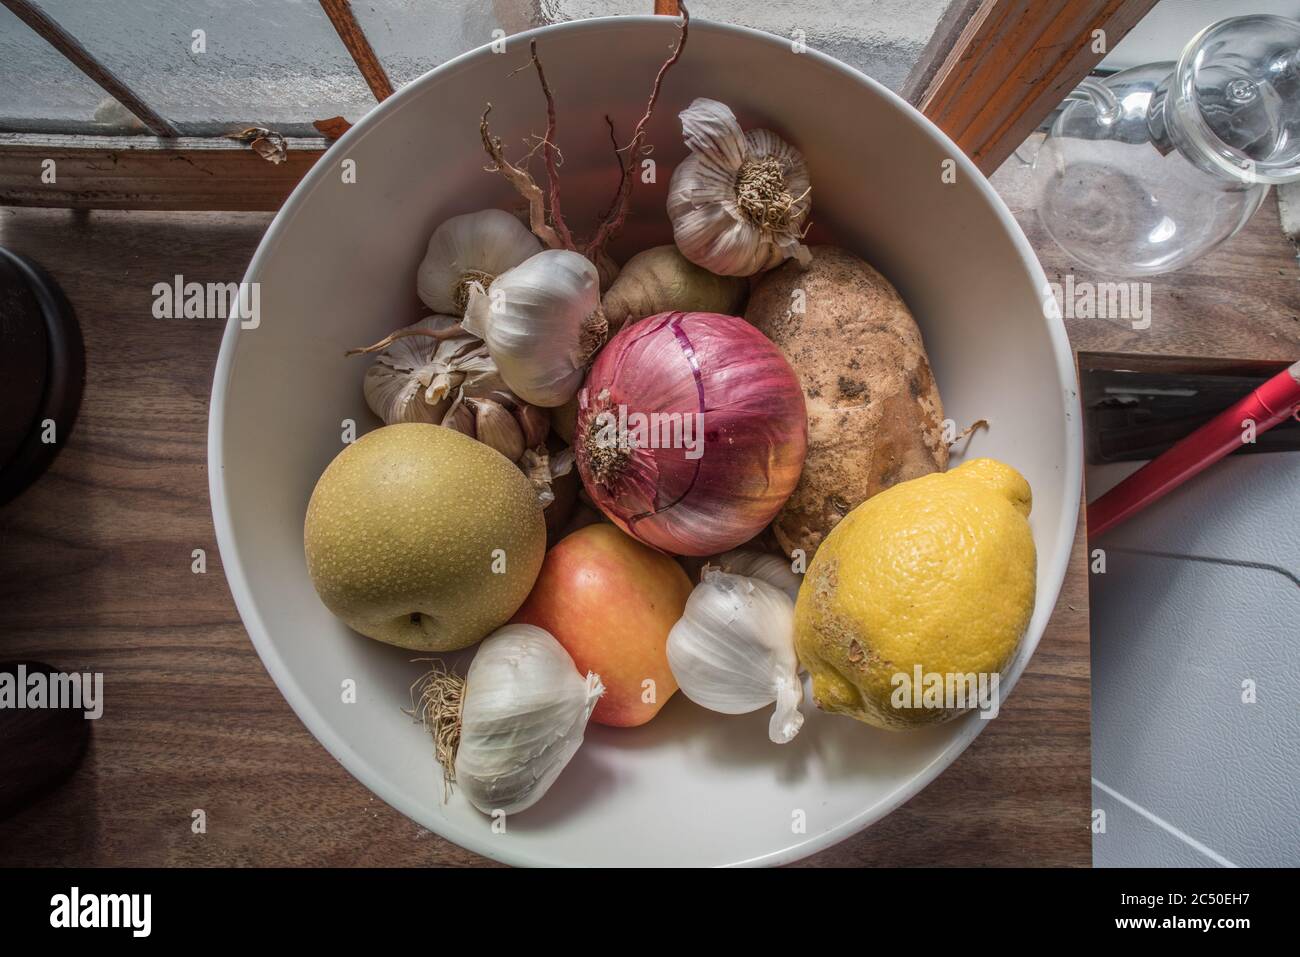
{"x": 874, "y": 413}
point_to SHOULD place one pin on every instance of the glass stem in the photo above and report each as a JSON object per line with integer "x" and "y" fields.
{"x": 1100, "y": 96}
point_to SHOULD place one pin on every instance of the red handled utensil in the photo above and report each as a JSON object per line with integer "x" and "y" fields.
{"x": 1273, "y": 402}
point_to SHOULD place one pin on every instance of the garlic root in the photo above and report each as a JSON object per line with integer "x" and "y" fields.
{"x": 545, "y": 217}
{"x": 523, "y": 183}
{"x": 505, "y": 731}
{"x": 969, "y": 431}
{"x": 438, "y": 709}
{"x": 451, "y": 332}
{"x": 612, "y": 224}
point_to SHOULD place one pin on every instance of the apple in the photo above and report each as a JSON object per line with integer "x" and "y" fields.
{"x": 611, "y": 601}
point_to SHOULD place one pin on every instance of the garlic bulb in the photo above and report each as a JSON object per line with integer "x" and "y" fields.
{"x": 523, "y": 713}
{"x": 739, "y": 201}
{"x": 542, "y": 323}
{"x": 732, "y": 650}
{"x": 416, "y": 378}
{"x": 476, "y": 247}
{"x": 773, "y": 569}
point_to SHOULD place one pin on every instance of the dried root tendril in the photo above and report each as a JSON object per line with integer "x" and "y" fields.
{"x": 550, "y": 153}
{"x": 451, "y": 332}
{"x": 969, "y": 431}
{"x": 437, "y": 700}
{"x": 612, "y": 223}
{"x": 523, "y": 184}
{"x": 545, "y": 217}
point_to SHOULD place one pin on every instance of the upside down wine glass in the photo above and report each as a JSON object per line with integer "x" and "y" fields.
{"x": 1150, "y": 168}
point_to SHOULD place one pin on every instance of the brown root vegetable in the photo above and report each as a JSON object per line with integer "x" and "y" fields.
{"x": 874, "y": 414}
{"x": 663, "y": 280}
{"x": 564, "y": 419}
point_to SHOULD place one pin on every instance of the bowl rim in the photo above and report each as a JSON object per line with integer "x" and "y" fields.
{"x": 353, "y": 761}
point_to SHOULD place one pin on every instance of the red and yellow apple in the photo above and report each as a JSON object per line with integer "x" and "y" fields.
{"x": 611, "y": 601}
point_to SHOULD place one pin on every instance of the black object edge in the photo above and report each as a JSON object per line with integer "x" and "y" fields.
{"x": 65, "y": 379}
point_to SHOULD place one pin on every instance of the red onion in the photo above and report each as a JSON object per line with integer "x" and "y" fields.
{"x": 691, "y": 431}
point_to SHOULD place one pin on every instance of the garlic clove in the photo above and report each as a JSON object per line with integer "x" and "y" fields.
{"x": 461, "y": 418}
{"x": 534, "y": 422}
{"x": 396, "y": 397}
{"x": 711, "y": 129}
{"x": 494, "y": 426}
{"x": 473, "y": 247}
{"x": 774, "y": 569}
{"x": 525, "y": 710}
{"x": 732, "y": 651}
{"x": 564, "y": 419}
{"x": 479, "y": 376}
{"x": 536, "y": 464}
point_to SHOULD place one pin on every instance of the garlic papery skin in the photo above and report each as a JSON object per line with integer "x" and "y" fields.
{"x": 524, "y": 712}
{"x": 543, "y": 467}
{"x": 475, "y": 247}
{"x": 460, "y": 417}
{"x": 416, "y": 378}
{"x": 738, "y": 202}
{"x": 542, "y": 323}
{"x": 496, "y": 427}
{"x": 732, "y": 651}
{"x": 773, "y": 569}
{"x": 535, "y": 423}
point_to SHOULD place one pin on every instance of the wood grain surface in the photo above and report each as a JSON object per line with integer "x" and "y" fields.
{"x": 143, "y": 172}
{"x": 1239, "y": 302}
{"x": 95, "y": 575}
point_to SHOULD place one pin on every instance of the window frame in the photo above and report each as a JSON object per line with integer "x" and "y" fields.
{"x": 992, "y": 71}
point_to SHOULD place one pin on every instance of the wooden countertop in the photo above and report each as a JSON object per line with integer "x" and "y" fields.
{"x": 95, "y": 575}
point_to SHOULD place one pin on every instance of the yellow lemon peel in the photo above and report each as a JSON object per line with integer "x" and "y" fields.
{"x": 939, "y": 572}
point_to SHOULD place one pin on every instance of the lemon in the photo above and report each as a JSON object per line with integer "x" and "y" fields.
{"x": 938, "y": 572}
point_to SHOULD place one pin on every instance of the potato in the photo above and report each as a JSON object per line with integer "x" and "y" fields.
{"x": 874, "y": 414}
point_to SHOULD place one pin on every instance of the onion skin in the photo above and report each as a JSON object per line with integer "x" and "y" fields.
{"x": 755, "y": 431}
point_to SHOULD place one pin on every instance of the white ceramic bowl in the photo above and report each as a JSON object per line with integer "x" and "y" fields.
{"x": 337, "y": 269}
